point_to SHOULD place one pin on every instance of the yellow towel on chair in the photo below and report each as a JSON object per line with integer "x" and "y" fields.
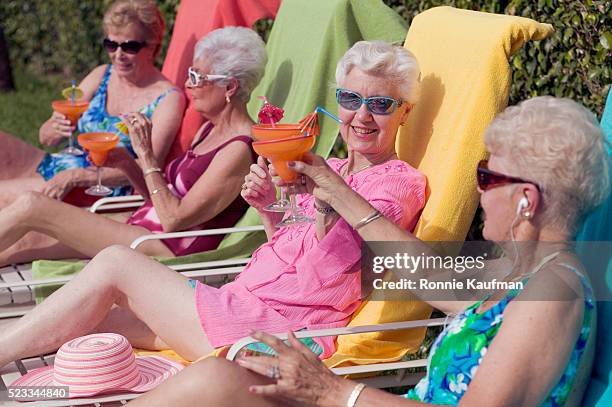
{"x": 463, "y": 56}
{"x": 466, "y": 80}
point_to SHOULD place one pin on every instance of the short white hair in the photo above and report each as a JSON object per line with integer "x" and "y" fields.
{"x": 558, "y": 144}
{"x": 237, "y": 52}
{"x": 390, "y": 62}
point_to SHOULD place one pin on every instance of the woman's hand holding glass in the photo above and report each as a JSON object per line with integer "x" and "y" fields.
{"x": 321, "y": 181}
{"x": 61, "y": 129}
{"x": 258, "y": 189}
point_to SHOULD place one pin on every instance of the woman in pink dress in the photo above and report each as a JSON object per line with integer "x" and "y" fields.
{"x": 197, "y": 190}
{"x": 306, "y": 276}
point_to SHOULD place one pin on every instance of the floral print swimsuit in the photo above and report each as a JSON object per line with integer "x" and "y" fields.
{"x": 457, "y": 353}
{"x": 95, "y": 119}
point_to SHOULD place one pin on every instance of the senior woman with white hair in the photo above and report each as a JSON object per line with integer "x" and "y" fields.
{"x": 198, "y": 190}
{"x": 548, "y": 168}
{"x": 306, "y": 276}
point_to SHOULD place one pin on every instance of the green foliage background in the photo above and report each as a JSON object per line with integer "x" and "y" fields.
{"x": 64, "y": 36}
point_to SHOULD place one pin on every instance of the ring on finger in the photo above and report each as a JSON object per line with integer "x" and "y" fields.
{"x": 244, "y": 186}
{"x": 303, "y": 179}
{"x": 133, "y": 121}
{"x": 273, "y": 372}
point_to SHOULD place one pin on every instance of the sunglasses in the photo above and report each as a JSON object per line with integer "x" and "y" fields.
{"x": 380, "y": 105}
{"x": 488, "y": 179}
{"x": 129, "y": 47}
{"x": 197, "y": 79}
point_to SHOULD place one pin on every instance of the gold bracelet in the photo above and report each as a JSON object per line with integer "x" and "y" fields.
{"x": 151, "y": 171}
{"x": 156, "y": 190}
{"x": 370, "y": 218}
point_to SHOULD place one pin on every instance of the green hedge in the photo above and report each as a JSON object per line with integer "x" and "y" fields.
{"x": 64, "y": 36}
{"x": 574, "y": 62}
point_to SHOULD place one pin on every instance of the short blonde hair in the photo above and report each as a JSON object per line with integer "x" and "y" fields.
{"x": 237, "y": 52}
{"x": 390, "y": 62}
{"x": 558, "y": 144}
{"x": 142, "y": 12}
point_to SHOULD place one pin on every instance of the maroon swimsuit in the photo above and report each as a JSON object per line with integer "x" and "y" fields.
{"x": 182, "y": 173}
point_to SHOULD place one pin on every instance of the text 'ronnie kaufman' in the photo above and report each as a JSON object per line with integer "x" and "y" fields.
{"x": 424, "y": 284}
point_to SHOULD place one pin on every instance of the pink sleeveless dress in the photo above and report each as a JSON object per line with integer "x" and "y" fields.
{"x": 182, "y": 173}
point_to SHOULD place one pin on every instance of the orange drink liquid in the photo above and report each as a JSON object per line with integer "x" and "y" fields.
{"x": 98, "y": 145}
{"x": 279, "y": 152}
{"x": 72, "y": 111}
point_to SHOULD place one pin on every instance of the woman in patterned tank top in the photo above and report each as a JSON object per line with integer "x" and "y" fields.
{"x": 130, "y": 83}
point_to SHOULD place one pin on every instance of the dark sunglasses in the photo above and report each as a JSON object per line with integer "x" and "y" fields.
{"x": 380, "y": 105}
{"x": 129, "y": 47}
{"x": 488, "y": 179}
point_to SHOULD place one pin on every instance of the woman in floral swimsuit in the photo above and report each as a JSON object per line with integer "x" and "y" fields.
{"x": 130, "y": 83}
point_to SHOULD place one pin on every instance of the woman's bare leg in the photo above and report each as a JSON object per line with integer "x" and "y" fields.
{"x": 18, "y": 159}
{"x": 38, "y": 246}
{"x": 211, "y": 382}
{"x": 156, "y": 295}
{"x": 84, "y": 232}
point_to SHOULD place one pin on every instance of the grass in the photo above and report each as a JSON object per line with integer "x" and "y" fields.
{"x": 23, "y": 110}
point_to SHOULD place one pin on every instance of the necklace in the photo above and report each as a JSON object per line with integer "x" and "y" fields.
{"x": 344, "y": 172}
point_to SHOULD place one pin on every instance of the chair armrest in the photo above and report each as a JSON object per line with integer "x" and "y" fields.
{"x": 208, "y": 232}
{"x": 117, "y": 202}
{"x": 317, "y": 333}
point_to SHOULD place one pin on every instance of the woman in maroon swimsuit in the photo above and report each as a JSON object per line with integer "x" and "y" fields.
{"x": 199, "y": 189}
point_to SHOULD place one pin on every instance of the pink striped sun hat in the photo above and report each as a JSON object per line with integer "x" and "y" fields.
{"x": 101, "y": 363}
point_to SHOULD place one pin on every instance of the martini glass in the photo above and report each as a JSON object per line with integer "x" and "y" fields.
{"x": 267, "y": 132}
{"x": 98, "y": 145}
{"x": 279, "y": 152}
{"x": 72, "y": 111}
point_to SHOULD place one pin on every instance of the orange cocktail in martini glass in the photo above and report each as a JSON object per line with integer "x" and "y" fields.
{"x": 279, "y": 152}
{"x": 277, "y": 131}
{"x": 98, "y": 145}
{"x": 73, "y": 111}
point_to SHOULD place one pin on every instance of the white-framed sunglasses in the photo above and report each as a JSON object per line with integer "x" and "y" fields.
{"x": 197, "y": 79}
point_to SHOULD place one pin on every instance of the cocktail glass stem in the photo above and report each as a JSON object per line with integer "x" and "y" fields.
{"x": 294, "y": 217}
{"x": 281, "y": 205}
{"x": 71, "y": 149}
{"x": 99, "y": 189}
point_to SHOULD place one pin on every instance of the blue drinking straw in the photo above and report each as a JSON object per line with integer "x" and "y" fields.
{"x": 333, "y": 116}
{"x": 73, "y": 93}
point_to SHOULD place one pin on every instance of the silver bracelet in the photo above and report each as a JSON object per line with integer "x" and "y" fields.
{"x": 151, "y": 171}
{"x": 352, "y": 400}
{"x": 370, "y": 218}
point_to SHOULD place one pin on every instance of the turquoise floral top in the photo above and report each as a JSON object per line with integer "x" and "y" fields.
{"x": 95, "y": 119}
{"x": 457, "y": 353}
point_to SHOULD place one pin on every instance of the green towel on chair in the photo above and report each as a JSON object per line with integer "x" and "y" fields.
{"x": 306, "y": 42}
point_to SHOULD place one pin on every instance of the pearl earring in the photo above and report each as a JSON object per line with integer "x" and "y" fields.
{"x": 227, "y": 99}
